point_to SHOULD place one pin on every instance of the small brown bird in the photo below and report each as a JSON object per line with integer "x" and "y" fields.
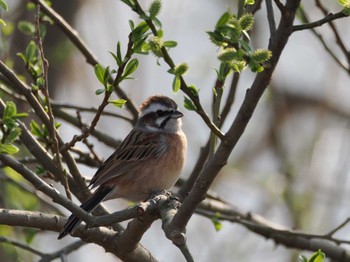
{"x": 148, "y": 161}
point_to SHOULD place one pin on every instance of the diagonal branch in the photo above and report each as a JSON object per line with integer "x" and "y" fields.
{"x": 253, "y": 95}
{"x": 184, "y": 87}
{"x": 330, "y": 17}
{"x": 91, "y": 59}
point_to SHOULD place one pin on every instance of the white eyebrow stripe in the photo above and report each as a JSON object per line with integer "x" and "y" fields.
{"x": 153, "y": 108}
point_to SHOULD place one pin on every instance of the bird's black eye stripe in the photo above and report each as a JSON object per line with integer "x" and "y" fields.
{"x": 164, "y": 113}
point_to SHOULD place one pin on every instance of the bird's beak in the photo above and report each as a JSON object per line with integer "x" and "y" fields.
{"x": 176, "y": 114}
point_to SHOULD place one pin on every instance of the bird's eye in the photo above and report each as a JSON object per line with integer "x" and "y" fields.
{"x": 160, "y": 112}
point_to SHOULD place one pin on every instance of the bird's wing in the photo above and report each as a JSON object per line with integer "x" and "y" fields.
{"x": 137, "y": 147}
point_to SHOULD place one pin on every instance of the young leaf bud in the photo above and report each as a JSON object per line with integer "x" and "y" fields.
{"x": 180, "y": 69}
{"x": 246, "y": 21}
{"x": 261, "y": 55}
{"x": 155, "y": 8}
{"x": 156, "y": 44}
{"x": 228, "y": 54}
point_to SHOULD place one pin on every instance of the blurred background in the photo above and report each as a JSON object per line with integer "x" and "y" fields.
{"x": 291, "y": 165}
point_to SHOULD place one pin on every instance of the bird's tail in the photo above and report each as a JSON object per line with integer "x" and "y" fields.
{"x": 73, "y": 222}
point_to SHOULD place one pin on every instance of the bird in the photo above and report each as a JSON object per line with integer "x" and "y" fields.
{"x": 149, "y": 159}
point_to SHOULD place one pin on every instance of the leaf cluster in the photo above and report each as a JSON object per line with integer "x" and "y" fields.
{"x": 318, "y": 256}
{"x": 346, "y": 6}
{"x": 9, "y": 129}
{"x": 33, "y": 63}
{"x": 231, "y": 35}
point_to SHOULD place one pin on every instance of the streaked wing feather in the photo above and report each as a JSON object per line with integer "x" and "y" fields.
{"x": 137, "y": 146}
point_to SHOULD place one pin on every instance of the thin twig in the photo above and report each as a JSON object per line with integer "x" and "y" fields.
{"x": 24, "y": 90}
{"x": 48, "y": 257}
{"x": 323, "y": 42}
{"x": 338, "y": 38}
{"x": 104, "y": 102}
{"x": 75, "y": 38}
{"x": 45, "y": 90}
{"x": 59, "y": 105}
{"x": 102, "y": 137}
{"x": 28, "y": 189}
{"x": 332, "y": 232}
{"x": 328, "y": 18}
{"x": 184, "y": 86}
{"x": 86, "y": 142}
{"x": 21, "y": 245}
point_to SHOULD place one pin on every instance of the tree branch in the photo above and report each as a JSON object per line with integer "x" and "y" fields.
{"x": 91, "y": 59}
{"x": 104, "y": 237}
{"x": 184, "y": 87}
{"x": 330, "y": 17}
{"x": 253, "y": 95}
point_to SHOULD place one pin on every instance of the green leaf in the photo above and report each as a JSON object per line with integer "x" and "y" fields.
{"x": 188, "y": 104}
{"x": 169, "y": 44}
{"x": 157, "y": 22}
{"x": 245, "y": 45}
{"x": 118, "y": 102}
{"x": 217, "y": 38}
{"x": 131, "y": 25}
{"x": 302, "y": 258}
{"x": 31, "y": 6}
{"x": 176, "y": 84}
{"x": 318, "y": 256}
{"x": 40, "y": 82}
{"x": 36, "y": 130}
{"x": 99, "y": 91}
{"x": 216, "y": 222}
{"x": 31, "y": 52}
{"x": 26, "y": 27}
{"x": 194, "y": 90}
{"x": 58, "y": 125}
{"x": 109, "y": 87}
{"x": 139, "y": 31}
{"x": 131, "y": 67}
{"x": 8, "y": 29}
{"x": 145, "y": 47}
{"x": 13, "y": 135}
{"x": 2, "y": 22}
{"x": 223, "y": 19}
{"x": 8, "y": 149}
{"x": 99, "y": 72}
{"x": 249, "y": 2}
{"x": 4, "y": 5}
{"x": 21, "y": 55}
{"x": 116, "y": 58}
{"x": 30, "y": 235}
{"x": 119, "y": 53}
{"x": 344, "y": 3}
{"x": 10, "y": 110}
{"x": 106, "y": 76}
{"x": 160, "y": 33}
{"x": 138, "y": 45}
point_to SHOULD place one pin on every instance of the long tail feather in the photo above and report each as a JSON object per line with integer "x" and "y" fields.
{"x": 73, "y": 222}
